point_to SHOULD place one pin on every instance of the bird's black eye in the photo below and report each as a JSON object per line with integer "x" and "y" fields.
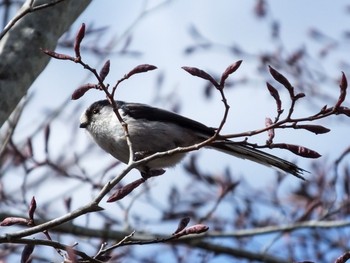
{"x": 95, "y": 111}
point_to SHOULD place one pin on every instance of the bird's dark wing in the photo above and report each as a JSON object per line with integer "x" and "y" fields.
{"x": 142, "y": 111}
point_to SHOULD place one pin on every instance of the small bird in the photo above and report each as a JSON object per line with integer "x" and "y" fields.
{"x": 153, "y": 130}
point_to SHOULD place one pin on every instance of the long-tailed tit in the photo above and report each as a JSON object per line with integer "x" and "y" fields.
{"x": 153, "y": 130}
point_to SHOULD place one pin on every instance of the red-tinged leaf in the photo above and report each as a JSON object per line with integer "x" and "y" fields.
{"x": 270, "y": 132}
{"x": 283, "y": 80}
{"x": 343, "y": 86}
{"x": 9, "y": 221}
{"x": 229, "y": 70}
{"x": 196, "y": 229}
{"x": 182, "y": 224}
{"x": 32, "y": 208}
{"x": 26, "y": 253}
{"x": 125, "y": 190}
{"x": 201, "y": 74}
{"x": 46, "y": 138}
{"x": 298, "y": 150}
{"x": 79, "y": 92}
{"x": 317, "y": 129}
{"x": 78, "y": 39}
{"x": 57, "y": 55}
{"x": 105, "y": 70}
{"x": 274, "y": 93}
{"x": 140, "y": 69}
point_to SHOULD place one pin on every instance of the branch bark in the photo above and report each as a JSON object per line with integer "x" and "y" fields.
{"x": 21, "y": 60}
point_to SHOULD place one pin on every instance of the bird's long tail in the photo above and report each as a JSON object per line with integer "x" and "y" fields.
{"x": 249, "y": 153}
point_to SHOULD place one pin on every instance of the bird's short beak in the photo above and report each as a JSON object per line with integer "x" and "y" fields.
{"x": 83, "y": 125}
{"x": 84, "y": 122}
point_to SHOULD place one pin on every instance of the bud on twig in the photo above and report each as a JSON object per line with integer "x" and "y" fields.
{"x": 283, "y": 80}
{"x": 79, "y": 92}
{"x": 78, "y": 39}
{"x": 196, "y": 229}
{"x": 201, "y": 74}
{"x": 317, "y": 129}
{"x": 57, "y": 55}
{"x": 32, "y": 209}
{"x": 298, "y": 150}
{"x": 105, "y": 70}
{"x": 140, "y": 69}
{"x": 125, "y": 190}
{"x": 274, "y": 93}
{"x": 229, "y": 70}
{"x": 182, "y": 224}
{"x": 343, "y": 86}
{"x": 9, "y": 221}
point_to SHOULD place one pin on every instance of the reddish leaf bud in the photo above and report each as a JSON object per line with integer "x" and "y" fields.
{"x": 343, "y": 86}
{"x": 105, "y": 70}
{"x": 79, "y": 92}
{"x": 9, "y": 221}
{"x": 78, "y": 39}
{"x": 298, "y": 150}
{"x": 57, "y": 55}
{"x": 140, "y": 69}
{"x": 182, "y": 224}
{"x": 26, "y": 253}
{"x": 283, "y": 80}
{"x": 196, "y": 229}
{"x": 124, "y": 191}
{"x": 274, "y": 93}
{"x": 201, "y": 74}
{"x": 229, "y": 70}
{"x": 317, "y": 129}
{"x": 32, "y": 208}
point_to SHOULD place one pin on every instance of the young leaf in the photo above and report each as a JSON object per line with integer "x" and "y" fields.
{"x": 298, "y": 150}
{"x": 201, "y": 74}
{"x": 274, "y": 93}
{"x": 229, "y": 70}
{"x": 125, "y": 190}
{"x": 283, "y": 80}
{"x": 78, "y": 39}
{"x": 140, "y": 69}
{"x": 105, "y": 70}
{"x": 343, "y": 86}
